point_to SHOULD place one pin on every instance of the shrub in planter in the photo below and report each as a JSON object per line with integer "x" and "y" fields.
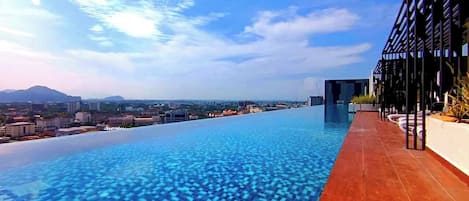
{"x": 363, "y": 100}
{"x": 459, "y": 106}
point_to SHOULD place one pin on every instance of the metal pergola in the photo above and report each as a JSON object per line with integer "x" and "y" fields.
{"x": 421, "y": 60}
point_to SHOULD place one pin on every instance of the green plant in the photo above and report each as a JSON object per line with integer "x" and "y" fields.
{"x": 459, "y": 106}
{"x": 363, "y": 100}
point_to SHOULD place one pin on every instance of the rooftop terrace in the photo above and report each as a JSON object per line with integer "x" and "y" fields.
{"x": 374, "y": 164}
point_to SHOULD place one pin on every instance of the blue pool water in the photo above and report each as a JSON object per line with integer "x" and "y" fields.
{"x": 280, "y": 155}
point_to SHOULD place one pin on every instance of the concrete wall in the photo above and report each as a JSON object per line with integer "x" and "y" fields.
{"x": 450, "y": 141}
{"x": 362, "y": 107}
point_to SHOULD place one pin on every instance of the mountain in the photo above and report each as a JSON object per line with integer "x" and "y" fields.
{"x": 8, "y": 90}
{"x": 36, "y": 94}
{"x": 114, "y": 98}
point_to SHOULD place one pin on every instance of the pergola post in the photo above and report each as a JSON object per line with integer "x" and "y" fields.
{"x": 426, "y": 35}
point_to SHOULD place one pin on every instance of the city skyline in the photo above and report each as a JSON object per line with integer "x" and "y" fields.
{"x": 190, "y": 49}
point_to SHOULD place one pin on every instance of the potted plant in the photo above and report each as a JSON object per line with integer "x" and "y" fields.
{"x": 363, "y": 103}
{"x": 448, "y": 133}
{"x": 457, "y": 109}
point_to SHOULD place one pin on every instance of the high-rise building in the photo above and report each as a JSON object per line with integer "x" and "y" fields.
{"x": 315, "y": 100}
{"x": 342, "y": 91}
{"x": 73, "y": 107}
{"x": 94, "y": 106}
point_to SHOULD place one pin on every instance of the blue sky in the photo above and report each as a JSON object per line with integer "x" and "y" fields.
{"x": 190, "y": 49}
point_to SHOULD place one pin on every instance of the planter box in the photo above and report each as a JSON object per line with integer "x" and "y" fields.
{"x": 362, "y": 107}
{"x": 449, "y": 140}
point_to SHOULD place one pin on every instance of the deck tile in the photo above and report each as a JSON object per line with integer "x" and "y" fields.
{"x": 374, "y": 164}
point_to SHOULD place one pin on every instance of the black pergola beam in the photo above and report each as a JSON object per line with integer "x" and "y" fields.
{"x": 426, "y": 35}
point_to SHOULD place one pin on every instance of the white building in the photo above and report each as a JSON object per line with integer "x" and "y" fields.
{"x": 83, "y": 117}
{"x": 2, "y": 130}
{"x": 253, "y": 109}
{"x": 73, "y": 107}
{"x": 53, "y": 124}
{"x": 20, "y": 129}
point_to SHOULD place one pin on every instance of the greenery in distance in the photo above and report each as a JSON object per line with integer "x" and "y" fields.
{"x": 363, "y": 100}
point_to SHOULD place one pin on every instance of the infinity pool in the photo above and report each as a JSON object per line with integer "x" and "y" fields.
{"x": 280, "y": 155}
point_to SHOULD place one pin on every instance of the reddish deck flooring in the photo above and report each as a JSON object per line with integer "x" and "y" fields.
{"x": 373, "y": 164}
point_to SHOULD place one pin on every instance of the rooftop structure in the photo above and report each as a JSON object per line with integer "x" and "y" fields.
{"x": 315, "y": 100}
{"x": 342, "y": 91}
{"x": 424, "y": 54}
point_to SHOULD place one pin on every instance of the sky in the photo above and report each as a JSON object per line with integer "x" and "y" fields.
{"x": 190, "y": 49}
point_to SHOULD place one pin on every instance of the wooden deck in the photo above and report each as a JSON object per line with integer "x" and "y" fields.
{"x": 373, "y": 164}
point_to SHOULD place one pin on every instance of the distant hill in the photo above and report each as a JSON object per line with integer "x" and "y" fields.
{"x": 36, "y": 94}
{"x": 114, "y": 98}
{"x": 8, "y": 90}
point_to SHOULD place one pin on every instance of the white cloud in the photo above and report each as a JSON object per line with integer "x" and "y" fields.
{"x": 193, "y": 63}
{"x": 110, "y": 60}
{"x": 138, "y": 20}
{"x": 150, "y": 19}
{"x": 133, "y": 24}
{"x": 36, "y": 2}
{"x": 202, "y": 20}
{"x": 25, "y": 21}
{"x": 16, "y": 32}
{"x": 101, "y": 40}
{"x": 105, "y": 43}
{"x": 31, "y": 14}
{"x": 192, "y": 57}
{"x": 185, "y": 4}
{"x": 10, "y": 48}
{"x": 97, "y": 28}
{"x": 289, "y": 25}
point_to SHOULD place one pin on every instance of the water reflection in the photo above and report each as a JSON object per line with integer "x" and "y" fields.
{"x": 337, "y": 114}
